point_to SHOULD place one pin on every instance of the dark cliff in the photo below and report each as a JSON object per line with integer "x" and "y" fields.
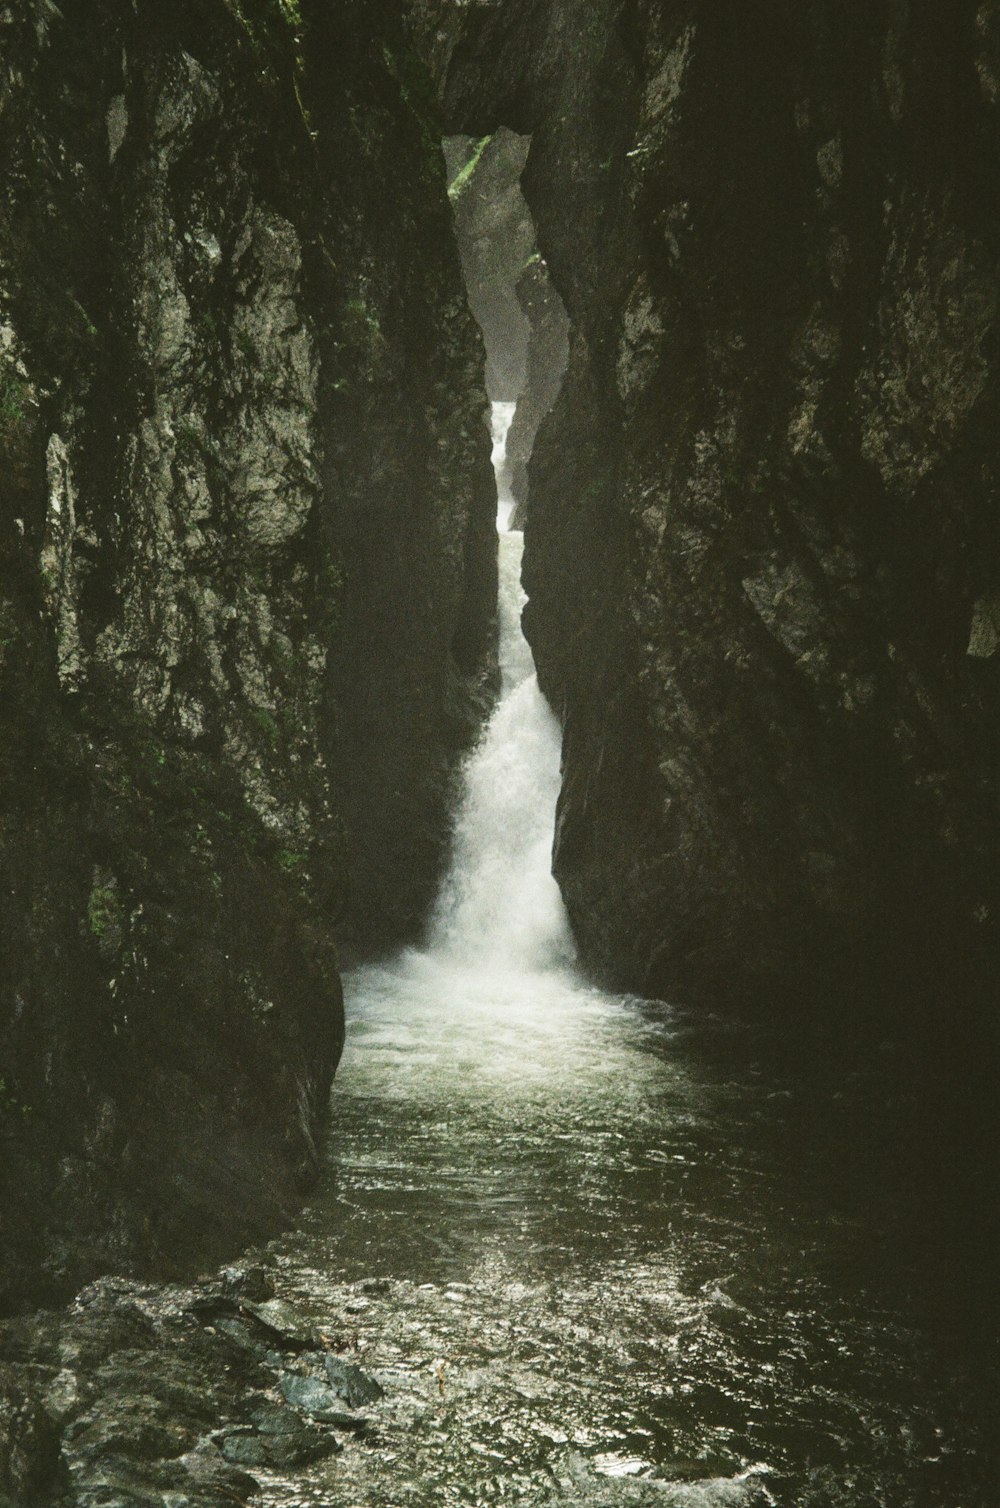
{"x": 247, "y": 596}
{"x": 761, "y": 548}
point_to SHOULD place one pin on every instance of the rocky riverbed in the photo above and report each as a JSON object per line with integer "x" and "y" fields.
{"x": 141, "y": 1394}
{"x": 569, "y": 1250}
{"x": 222, "y": 1393}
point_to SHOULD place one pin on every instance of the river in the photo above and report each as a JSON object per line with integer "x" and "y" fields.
{"x": 599, "y": 1250}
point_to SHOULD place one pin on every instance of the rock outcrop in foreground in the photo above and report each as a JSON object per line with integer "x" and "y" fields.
{"x": 248, "y": 577}
{"x": 761, "y": 547}
{"x": 140, "y": 1394}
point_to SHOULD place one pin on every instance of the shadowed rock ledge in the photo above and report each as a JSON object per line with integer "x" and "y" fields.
{"x": 139, "y": 1394}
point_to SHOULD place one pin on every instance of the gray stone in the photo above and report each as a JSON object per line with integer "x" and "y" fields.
{"x": 308, "y": 1393}
{"x": 353, "y": 1385}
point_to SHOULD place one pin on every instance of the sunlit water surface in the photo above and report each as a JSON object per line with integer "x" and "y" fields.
{"x": 594, "y": 1252}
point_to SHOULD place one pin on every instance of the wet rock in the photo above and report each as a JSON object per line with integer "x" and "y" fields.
{"x": 302, "y": 1448}
{"x": 350, "y": 1383}
{"x": 244, "y": 1447}
{"x": 269, "y": 1330}
{"x": 254, "y": 1283}
{"x": 29, "y": 1441}
{"x": 308, "y": 1393}
{"x": 204, "y": 1477}
{"x": 548, "y": 354}
{"x": 296, "y": 1445}
{"x": 154, "y": 1394}
{"x": 325, "y": 1397}
{"x": 283, "y": 1325}
{"x": 272, "y": 1419}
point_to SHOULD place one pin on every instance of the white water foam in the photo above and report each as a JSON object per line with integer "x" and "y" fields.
{"x": 501, "y": 419}
{"x": 499, "y": 907}
{"x": 495, "y": 984}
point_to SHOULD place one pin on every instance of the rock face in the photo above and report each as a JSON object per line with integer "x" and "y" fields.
{"x": 247, "y": 597}
{"x": 545, "y": 369}
{"x": 761, "y": 547}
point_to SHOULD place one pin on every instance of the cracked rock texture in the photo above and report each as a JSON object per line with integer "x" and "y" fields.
{"x": 761, "y": 547}
{"x": 248, "y": 586}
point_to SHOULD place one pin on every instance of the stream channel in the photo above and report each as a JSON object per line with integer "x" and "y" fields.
{"x": 599, "y": 1250}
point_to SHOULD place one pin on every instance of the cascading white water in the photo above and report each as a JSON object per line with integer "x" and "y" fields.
{"x": 492, "y": 1000}
{"x": 499, "y": 904}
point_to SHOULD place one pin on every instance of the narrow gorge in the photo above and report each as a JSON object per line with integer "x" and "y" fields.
{"x": 661, "y": 1165}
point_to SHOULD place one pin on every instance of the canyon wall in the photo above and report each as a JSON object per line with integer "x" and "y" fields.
{"x": 248, "y": 594}
{"x": 761, "y": 545}
{"x": 247, "y": 623}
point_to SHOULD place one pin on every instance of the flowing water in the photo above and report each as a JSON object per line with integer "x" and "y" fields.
{"x": 595, "y": 1251}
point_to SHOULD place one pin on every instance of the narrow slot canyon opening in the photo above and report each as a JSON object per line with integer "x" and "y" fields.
{"x": 523, "y": 320}
{"x": 499, "y": 908}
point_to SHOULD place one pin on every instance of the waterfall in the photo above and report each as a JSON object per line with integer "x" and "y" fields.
{"x": 491, "y": 1006}
{"x": 499, "y": 905}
